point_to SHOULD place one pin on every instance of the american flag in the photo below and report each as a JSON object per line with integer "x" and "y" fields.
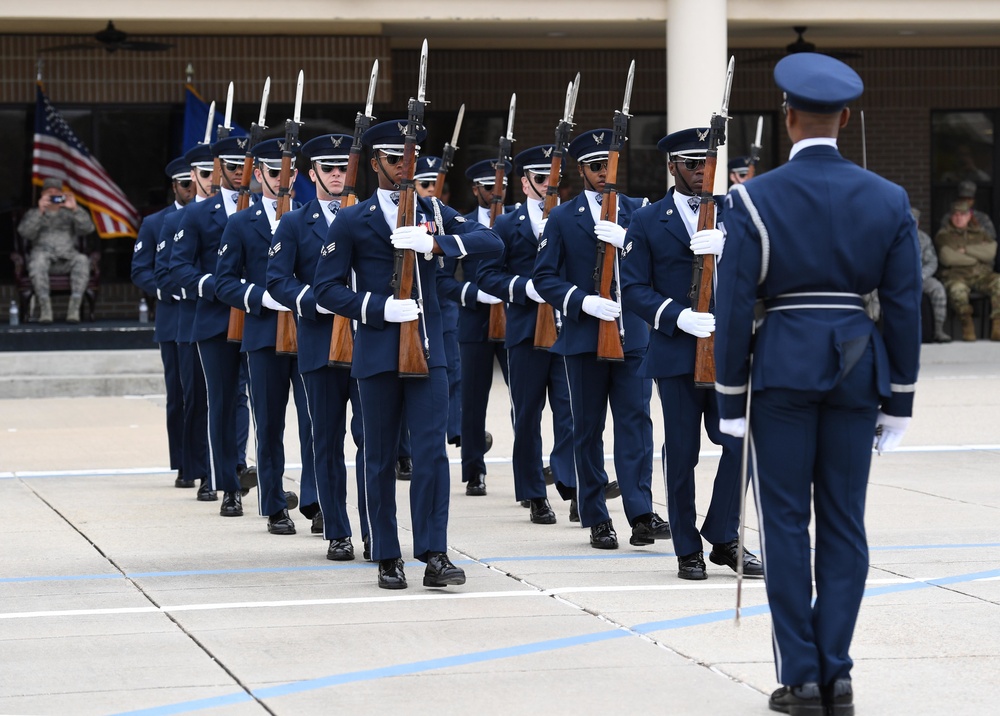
{"x": 59, "y": 153}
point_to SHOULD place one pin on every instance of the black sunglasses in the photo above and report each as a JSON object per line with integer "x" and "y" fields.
{"x": 392, "y": 159}
{"x": 327, "y": 168}
{"x": 426, "y": 184}
{"x": 690, "y": 164}
{"x": 183, "y": 183}
{"x": 597, "y": 166}
{"x": 273, "y": 173}
{"x": 231, "y": 166}
{"x": 540, "y": 178}
{"x": 205, "y": 173}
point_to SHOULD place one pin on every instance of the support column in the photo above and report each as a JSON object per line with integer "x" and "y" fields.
{"x": 697, "y": 55}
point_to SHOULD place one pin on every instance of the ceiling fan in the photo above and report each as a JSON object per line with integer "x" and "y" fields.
{"x": 802, "y": 45}
{"x": 111, "y": 39}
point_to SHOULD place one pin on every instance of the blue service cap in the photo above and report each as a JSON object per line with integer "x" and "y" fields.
{"x": 427, "y": 168}
{"x": 591, "y": 145}
{"x": 739, "y": 164}
{"x": 232, "y": 149}
{"x": 199, "y": 156}
{"x": 390, "y": 136}
{"x": 691, "y": 142}
{"x": 269, "y": 153}
{"x": 535, "y": 159}
{"x": 179, "y": 168}
{"x": 485, "y": 171}
{"x": 334, "y": 149}
{"x": 817, "y": 83}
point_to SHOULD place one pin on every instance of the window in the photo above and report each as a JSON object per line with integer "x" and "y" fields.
{"x": 962, "y": 149}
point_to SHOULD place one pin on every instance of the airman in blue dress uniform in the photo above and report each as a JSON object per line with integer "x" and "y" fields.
{"x": 240, "y": 282}
{"x": 291, "y": 268}
{"x": 363, "y": 239}
{"x": 165, "y": 326}
{"x": 477, "y": 352}
{"x": 532, "y": 373}
{"x": 564, "y": 277}
{"x": 660, "y": 247}
{"x": 807, "y": 240}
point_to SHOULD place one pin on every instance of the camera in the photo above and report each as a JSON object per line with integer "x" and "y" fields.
{"x": 58, "y": 199}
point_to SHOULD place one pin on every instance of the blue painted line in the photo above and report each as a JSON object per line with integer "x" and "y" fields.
{"x": 518, "y": 650}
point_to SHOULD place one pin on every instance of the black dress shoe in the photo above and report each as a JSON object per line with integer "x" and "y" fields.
{"x": 804, "y": 700}
{"x": 367, "y": 554}
{"x": 725, "y": 554}
{"x": 649, "y": 528}
{"x": 309, "y": 511}
{"x": 541, "y": 512}
{"x": 612, "y": 490}
{"x": 456, "y": 441}
{"x": 206, "y": 493}
{"x": 280, "y": 523}
{"x": 181, "y": 482}
{"x": 574, "y": 511}
{"x": 525, "y": 503}
{"x": 404, "y": 469}
{"x": 476, "y": 486}
{"x": 839, "y": 698}
{"x": 390, "y": 574}
{"x": 440, "y": 572}
{"x": 550, "y": 477}
{"x": 488, "y": 442}
{"x": 232, "y": 505}
{"x": 340, "y": 550}
{"x": 247, "y": 477}
{"x": 317, "y": 524}
{"x": 291, "y": 500}
{"x": 603, "y": 536}
{"x": 692, "y": 566}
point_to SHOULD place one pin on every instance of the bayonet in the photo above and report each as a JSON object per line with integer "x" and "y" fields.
{"x": 724, "y": 112}
{"x": 760, "y": 132}
{"x": 263, "y": 103}
{"x": 422, "y": 86}
{"x": 628, "y": 89}
{"x": 208, "y": 124}
{"x": 572, "y": 91}
{"x": 372, "y": 83}
{"x": 458, "y": 125}
{"x": 227, "y": 123}
{"x": 297, "y": 115}
{"x": 510, "y": 117}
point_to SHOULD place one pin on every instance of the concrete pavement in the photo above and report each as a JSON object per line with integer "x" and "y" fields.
{"x": 122, "y": 594}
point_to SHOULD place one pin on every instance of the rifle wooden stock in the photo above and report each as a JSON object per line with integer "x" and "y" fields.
{"x": 237, "y": 316}
{"x": 498, "y": 312}
{"x": 545, "y": 319}
{"x": 609, "y": 337}
{"x": 412, "y": 360}
{"x": 704, "y": 272}
{"x": 286, "y": 340}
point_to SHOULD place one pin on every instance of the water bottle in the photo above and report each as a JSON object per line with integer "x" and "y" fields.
{"x": 15, "y": 314}
{"x": 143, "y": 311}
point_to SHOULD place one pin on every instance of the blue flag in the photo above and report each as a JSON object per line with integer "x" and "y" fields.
{"x": 195, "y": 119}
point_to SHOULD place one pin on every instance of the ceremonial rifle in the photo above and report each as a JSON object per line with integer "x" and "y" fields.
{"x": 342, "y": 340}
{"x": 448, "y": 155}
{"x": 545, "y": 320}
{"x": 237, "y": 315}
{"x": 704, "y": 266}
{"x": 413, "y": 351}
{"x": 755, "y": 149}
{"x": 498, "y": 315}
{"x": 287, "y": 338}
{"x": 611, "y": 334}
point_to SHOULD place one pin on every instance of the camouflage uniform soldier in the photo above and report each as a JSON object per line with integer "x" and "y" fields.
{"x": 51, "y": 229}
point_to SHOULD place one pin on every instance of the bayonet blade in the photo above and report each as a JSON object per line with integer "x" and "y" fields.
{"x": 297, "y": 115}
{"x": 263, "y": 103}
{"x": 458, "y": 127}
{"x": 572, "y": 89}
{"x": 510, "y": 117}
{"x": 628, "y": 88}
{"x": 422, "y": 86}
{"x": 208, "y": 124}
{"x": 729, "y": 85}
{"x": 228, "y": 121}
{"x": 371, "y": 89}
{"x": 760, "y": 131}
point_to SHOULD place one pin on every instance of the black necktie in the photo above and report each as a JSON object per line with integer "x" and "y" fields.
{"x": 334, "y": 207}
{"x": 395, "y": 197}
{"x": 694, "y": 202}
{"x": 541, "y": 205}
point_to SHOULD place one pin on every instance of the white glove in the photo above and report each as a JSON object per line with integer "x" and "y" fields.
{"x": 699, "y": 325}
{"x": 708, "y": 241}
{"x": 541, "y": 226}
{"x": 320, "y": 309}
{"x": 175, "y": 297}
{"x": 889, "y": 431}
{"x": 737, "y": 427}
{"x": 601, "y": 308}
{"x": 610, "y": 232}
{"x": 269, "y": 302}
{"x": 412, "y": 237}
{"x": 400, "y": 310}
{"x": 483, "y": 297}
{"x": 529, "y": 288}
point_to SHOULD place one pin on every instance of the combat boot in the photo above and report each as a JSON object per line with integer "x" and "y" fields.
{"x": 44, "y": 309}
{"x": 995, "y": 331}
{"x": 73, "y": 309}
{"x": 968, "y": 327}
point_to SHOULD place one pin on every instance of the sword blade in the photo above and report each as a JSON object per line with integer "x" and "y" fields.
{"x": 628, "y": 88}
{"x": 422, "y": 85}
{"x": 263, "y": 103}
{"x": 371, "y": 89}
{"x": 510, "y": 117}
{"x": 297, "y": 115}
{"x": 228, "y": 121}
{"x": 458, "y": 127}
{"x": 208, "y": 124}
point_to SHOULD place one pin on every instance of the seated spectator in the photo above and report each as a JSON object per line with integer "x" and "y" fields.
{"x": 51, "y": 231}
{"x": 932, "y": 287}
{"x": 966, "y": 254}
{"x": 967, "y": 190}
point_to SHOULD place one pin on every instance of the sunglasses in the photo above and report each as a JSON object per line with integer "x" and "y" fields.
{"x": 273, "y": 173}
{"x": 231, "y": 166}
{"x": 540, "y": 178}
{"x": 392, "y": 159}
{"x": 597, "y": 166}
{"x": 690, "y": 164}
{"x": 183, "y": 183}
{"x": 426, "y": 184}
{"x": 328, "y": 168}
{"x": 205, "y": 173}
